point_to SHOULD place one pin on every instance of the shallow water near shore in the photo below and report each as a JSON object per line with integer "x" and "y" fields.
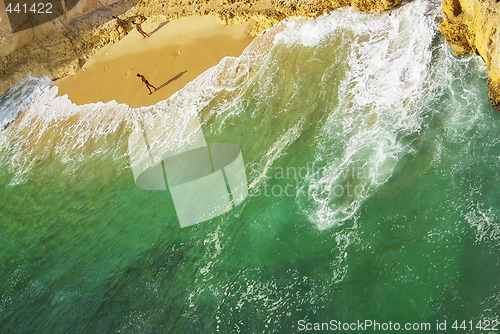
{"x": 372, "y": 158}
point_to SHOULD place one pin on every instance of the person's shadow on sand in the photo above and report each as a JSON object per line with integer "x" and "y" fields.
{"x": 158, "y": 28}
{"x": 172, "y": 79}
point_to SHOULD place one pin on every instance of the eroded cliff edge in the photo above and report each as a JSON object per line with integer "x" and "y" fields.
{"x": 471, "y": 26}
{"x": 62, "y": 46}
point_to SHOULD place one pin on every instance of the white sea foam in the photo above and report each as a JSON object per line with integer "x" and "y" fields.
{"x": 364, "y": 138}
{"x": 54, "y": 126}
{"x": 19, "y": 97}
{"x": 360, "y": 144}
{"x": 484, "y": 222}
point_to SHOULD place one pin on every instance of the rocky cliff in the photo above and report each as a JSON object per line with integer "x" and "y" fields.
{"x": 471, "y": 26}
{"x": 57, "y": 47}
{"x": 61, "y": 46}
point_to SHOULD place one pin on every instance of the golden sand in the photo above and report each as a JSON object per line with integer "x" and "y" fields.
{"x": 175, "y": 54}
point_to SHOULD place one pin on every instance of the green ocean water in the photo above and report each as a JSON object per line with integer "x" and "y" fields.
{"x": 372, "y": 158}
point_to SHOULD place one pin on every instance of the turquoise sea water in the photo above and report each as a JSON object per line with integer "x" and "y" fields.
{"x": 372, "y": 158}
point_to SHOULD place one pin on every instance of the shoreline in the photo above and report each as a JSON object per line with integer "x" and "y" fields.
{"x": 175, "y": 54}
{"x": 61, "y": 47}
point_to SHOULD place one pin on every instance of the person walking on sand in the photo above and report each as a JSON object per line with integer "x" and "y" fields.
{"x": 148, "y": 85}
{"x": 139, "y": 29}
{"x": 119, "y": 24}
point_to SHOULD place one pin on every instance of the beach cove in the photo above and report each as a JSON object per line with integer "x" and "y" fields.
{"x": 371, "y": 156}
{"x": 175, "y": 54}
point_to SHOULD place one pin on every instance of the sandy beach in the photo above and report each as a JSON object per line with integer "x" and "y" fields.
{"x": 347, "y": 179}
{"x": 176, "y": 53}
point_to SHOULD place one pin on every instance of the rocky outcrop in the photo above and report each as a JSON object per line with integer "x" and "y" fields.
{"x": 472, "y": 26}
{"x": 58, "y": 47}
{"x": 61, "y": 46}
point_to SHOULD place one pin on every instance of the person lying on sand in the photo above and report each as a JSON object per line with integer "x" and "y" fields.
{"x": 148, "y": 85}
{"x": 119, "y": 24}
{"x": 139, "y": 29}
